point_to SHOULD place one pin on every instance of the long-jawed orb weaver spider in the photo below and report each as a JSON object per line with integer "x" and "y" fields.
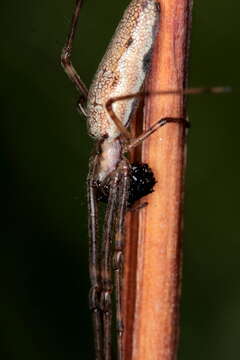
{"x": 109, "y": 106}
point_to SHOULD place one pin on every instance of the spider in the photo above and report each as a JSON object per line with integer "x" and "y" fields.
{"x": 109, "y": 106}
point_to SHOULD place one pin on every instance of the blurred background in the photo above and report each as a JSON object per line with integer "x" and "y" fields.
{"x": 44, "y": 161}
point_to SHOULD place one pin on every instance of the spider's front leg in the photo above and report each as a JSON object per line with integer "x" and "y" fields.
{"x": 118, "y": 255}
{"x": 106, "y": 264}
{"x": 94, "y": 261}
{"x": 114, "y": 233}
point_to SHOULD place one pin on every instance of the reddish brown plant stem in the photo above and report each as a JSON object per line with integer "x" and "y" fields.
{"x": 151, "y": 289}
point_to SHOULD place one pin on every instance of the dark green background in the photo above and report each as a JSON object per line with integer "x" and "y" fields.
{"x": 44, "y": 159}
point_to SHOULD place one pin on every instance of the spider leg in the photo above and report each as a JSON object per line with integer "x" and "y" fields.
{"x": 189, "y": 91}
{"x": 66, "y": 59}
{"x": 131, "y": 143}
{"x": 142, "y": 94}
{"x": 94, "y": 262}
{"x": 122, "y": 199}
{"x": 106, "y": 269}
{"x": 138, "y": 140}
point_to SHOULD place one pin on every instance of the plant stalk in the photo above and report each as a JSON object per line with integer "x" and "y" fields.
{"x": 152, "y": 270}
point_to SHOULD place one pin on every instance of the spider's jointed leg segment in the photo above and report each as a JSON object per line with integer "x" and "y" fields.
{"x": 66, "y": 58}
{"x": 94, "y": 262}
{"x": 106, "y": 265}
{"x": 137, "y": 141}
{"x": 118, "y": 257}
{"x": 131, "y": 143}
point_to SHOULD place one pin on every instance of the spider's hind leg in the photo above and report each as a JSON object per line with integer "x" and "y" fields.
{"x": 67, "y": 63}
{"x": 133, "y": 142}
{"x": 138, "y": 140}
